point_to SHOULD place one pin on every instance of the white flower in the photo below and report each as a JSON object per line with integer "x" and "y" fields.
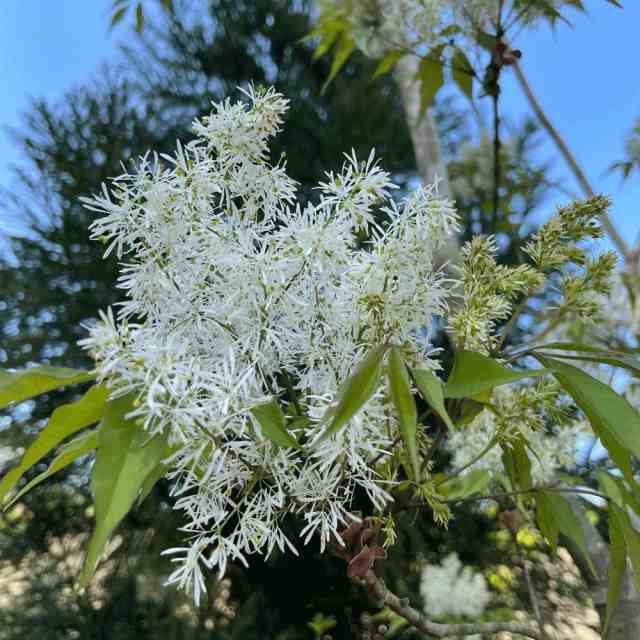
{"x": 235, "y": 294}
{"x": 188, "y": 575}
{"x": 450, "y": 589}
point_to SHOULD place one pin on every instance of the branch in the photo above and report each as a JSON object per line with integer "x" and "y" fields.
{"x": 533, "y": 597}
{"x": 499, "y": 496}
{"x": 616, "y": 238}
{"x": 379, "y": 591}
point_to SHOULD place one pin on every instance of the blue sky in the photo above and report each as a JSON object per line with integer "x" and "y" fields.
{"x": 587, "y": 78}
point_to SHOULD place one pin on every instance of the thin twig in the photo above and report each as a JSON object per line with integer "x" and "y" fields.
{"x": 533, "y": 597}
{"x": 510, "y": 324}
{"x": 499, "y": 496}
{"x": 380, "y": 592}
{"x": 496, "y": 64}
{"x": 492, "y": 443}
{"x": 616, "y": 238}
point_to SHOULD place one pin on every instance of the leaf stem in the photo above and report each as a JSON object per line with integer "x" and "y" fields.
{"x": 499, "y": 496}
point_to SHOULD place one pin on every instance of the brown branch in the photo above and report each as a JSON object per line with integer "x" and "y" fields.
{"x": 533, "y": 598}
{"x": 616, "y": 238}
{"x": 379, "y": 592}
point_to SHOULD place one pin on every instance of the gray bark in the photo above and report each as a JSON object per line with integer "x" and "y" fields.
{"x": 426, "y": 141}
{"x": 625, "y": 623}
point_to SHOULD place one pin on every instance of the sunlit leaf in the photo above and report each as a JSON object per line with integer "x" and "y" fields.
{"x": 609, "y": 487}
{"x": 64, "y": 422}
{"x": 546, "y": 520}
{"x": 431, "y": 78}
{"x": 615, "y": 489}
{"x": 631, "y": 538}
{"x": 355, "y": 391}
{"x": 462, "y": 72}
{"x": 16, "y": 386}
{"x": 67, "y": 454}
{"x": 517, "y": 464}
{"x": 139, "y": 17}
{"x": 473, "y": 374}
{"x": 273, "y": 424}
{"x": 405, "y": 405}
{"x": 485, "y": 40}
{"x": 159, "y": 472}
{"x": 558, "y": 509}
{"x": 118, "y": 16}
{"x": 430, "y": 387}
{"x": 388, "y": 62}
{"x": 126, "y": 456}
{"x": 343, "y": 50}
{"x": 327, "y": 40}
{"x": 587, "y": 353}
{"x": 616, "y": 569}
{"x": 610, "y": 414}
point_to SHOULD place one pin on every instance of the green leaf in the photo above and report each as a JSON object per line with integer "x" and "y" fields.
{"x": 610, "y": 414}
{"x": 450, "y": 30}
{"x": 615, "y": 489}
{"x": 400, "y": 391}
{"x": 117, "y": 16}
{"x": 462, "y": 73}
{"x": 16, "y": 386}
{"x": 610, "y": 487}
{"x": 64, "y": 421}
{"x": 159, "y": 472}
{"x": 69, "y": 452}
{"x": 126, "y": 456}
{"x": 273, "y": 424}
{"x": 474, "y": 374}
{"x": 469, "y": 410}
{"x": 326, "y": 42}
{"x": 566, "y": 522}
{"x": 546, "y": 520}
{"x": 486, "y": 40}
{"x": 631, "y": 538}
{"x": 430, "y": 387}
{"x": 168, "y": 5}
{"x": 616, "y": 569}
{"x": 517, "y": 464}
{"x": 592, "y": 354}
{"x": 355, "y": 391}
{"x": 473, "y": 482}
{"x": 139, "y": 18}
{"x": 431, "y": 77}
{"x": 343, "y": 51}
{"x": 388, "y": 62}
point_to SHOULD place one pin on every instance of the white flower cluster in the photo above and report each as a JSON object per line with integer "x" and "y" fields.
{"x": 450, "y": 589}
{"x": 380, "y": 26}
{"x": 238, "y": 295}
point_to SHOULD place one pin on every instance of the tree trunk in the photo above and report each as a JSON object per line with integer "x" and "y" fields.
{"x": 625, "y": 622}
{"x": 426, "y": 141}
